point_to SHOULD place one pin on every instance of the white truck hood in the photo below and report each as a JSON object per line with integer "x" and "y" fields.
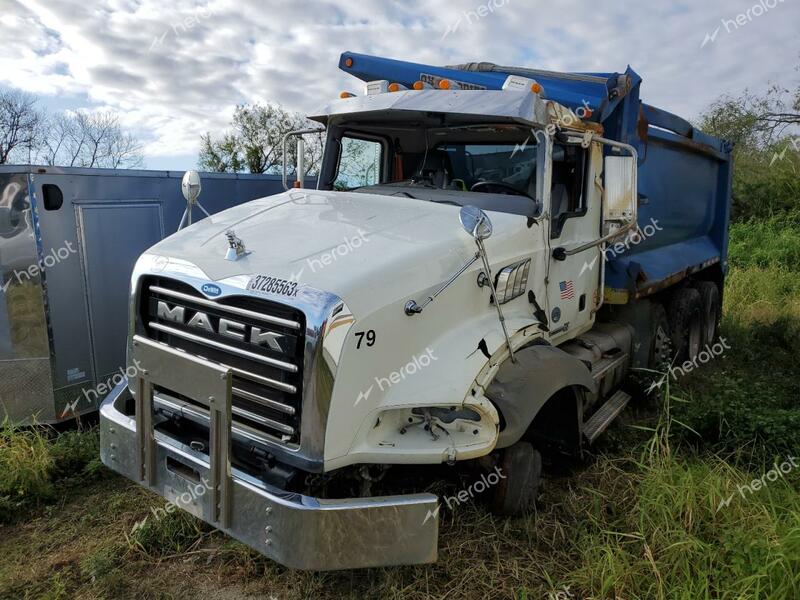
{"x": 367, "y": 249}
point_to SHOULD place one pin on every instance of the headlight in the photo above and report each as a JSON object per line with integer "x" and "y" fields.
{"x": 512, "y": 281}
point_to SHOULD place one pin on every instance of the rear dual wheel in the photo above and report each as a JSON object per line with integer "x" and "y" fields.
{"x": 660, "y": 340}
{"x": 711, "y": 310}
{"x": 685, "y": 314}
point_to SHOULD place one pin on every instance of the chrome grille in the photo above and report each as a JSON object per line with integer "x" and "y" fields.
{"x": 261, "y": 341}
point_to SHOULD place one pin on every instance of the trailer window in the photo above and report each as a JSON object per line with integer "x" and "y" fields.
{"x": 359, "y": 163}
{"x": 566, "y": 192}
{"x": 52, "y": 196}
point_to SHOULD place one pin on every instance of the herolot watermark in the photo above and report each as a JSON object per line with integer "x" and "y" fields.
{"x": 706, "y": 355}
{"x": 415, "y": 365}
{"x": 346, "y": 247}
{"x": 634, "y": 238}
{"x": 760, "y": 8}
{"x": 793, "y": 142}
{"x": 195, "y": 492}
{"x": 184, "y": 25}
{"x": 777, "y": 472}
{"x": 325, "y": 259}
{"x": 568, "y": 120}
{"x": 100, "y": 391}
{"x": 486, "y": 482}
{"x": 473, "y": 16}
{"x": 51, "y": 259}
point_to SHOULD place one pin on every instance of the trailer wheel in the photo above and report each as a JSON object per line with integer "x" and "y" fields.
{"x": 712, "y": 312}
{"x": 686, "y": 323}
{"x": 520, "y": 471}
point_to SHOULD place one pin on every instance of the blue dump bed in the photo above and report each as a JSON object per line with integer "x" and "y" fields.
{"x": 684, "y": 174}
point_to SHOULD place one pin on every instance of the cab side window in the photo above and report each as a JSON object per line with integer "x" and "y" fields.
{"x": 566, "y": 193}
{"x": 360, "y": 163}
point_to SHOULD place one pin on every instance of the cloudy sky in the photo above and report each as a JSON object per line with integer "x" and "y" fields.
{"x": 174, "y": 69}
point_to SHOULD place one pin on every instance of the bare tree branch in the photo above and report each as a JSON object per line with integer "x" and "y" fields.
{"x": 19, "y": 124}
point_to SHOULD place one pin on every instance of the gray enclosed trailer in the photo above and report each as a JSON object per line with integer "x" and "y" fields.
{"x": 68, "y": 242}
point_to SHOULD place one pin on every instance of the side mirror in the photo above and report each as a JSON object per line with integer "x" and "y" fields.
{"x": 475, "y": 222}
{"x": 191, "y": 186}
{"x": 619, "y": 196}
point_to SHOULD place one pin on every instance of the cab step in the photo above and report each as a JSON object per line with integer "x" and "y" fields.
{"x": 605, "y": 415}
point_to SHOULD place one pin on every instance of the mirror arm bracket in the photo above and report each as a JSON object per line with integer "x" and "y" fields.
{"x": 412, "y": 308}
{"x": 283, "y": 149}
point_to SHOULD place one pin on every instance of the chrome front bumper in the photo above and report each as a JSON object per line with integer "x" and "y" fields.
{"x": 295, "y": 530}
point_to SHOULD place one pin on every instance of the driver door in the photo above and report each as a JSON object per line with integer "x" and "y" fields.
{"x": 574, "y": 218}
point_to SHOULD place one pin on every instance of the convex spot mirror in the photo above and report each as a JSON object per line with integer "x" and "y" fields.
{"x": 475, "y": 222}
{"x": 191, "y": 186}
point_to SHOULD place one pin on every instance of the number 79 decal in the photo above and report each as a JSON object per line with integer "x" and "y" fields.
{"x": 361, "y": 336}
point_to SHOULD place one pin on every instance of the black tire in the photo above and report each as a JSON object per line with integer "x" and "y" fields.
{"x": 520, "y": 470}
{"x": 685, "y": 314}
{"x": 660, "y": 339}
{"x": 712, "y": 310}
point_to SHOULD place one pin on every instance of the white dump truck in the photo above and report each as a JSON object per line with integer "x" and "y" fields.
{"x": 488, "y": 252}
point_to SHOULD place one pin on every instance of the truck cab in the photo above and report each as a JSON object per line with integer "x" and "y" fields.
{"x": 439, "y": 298}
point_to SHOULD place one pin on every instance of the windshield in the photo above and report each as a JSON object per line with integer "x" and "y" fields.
{"x": 491, "y": 165}
{"x": 468, "y": 166}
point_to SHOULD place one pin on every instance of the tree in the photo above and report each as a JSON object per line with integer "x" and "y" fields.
{"x": 255, "y": 142}
{"x": 766, "y": 151}
{"x": 19, "y": 124}
{"x": 752, "y": 121}
{"x": 86, "y": 139}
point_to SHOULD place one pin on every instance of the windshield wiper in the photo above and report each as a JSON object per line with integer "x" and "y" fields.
{"x": 406, "y": 194}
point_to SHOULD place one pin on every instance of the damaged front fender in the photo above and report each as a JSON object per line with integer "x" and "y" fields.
{"x": 520, "y": 389}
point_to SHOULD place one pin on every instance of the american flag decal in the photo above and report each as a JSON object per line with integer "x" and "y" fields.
{"x": 567, "y": 291}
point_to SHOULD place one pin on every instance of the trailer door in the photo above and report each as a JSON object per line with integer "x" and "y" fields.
{"x": 112, "y": 236}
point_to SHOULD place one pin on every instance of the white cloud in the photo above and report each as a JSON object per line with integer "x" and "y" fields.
{"x": 174, "y": 70}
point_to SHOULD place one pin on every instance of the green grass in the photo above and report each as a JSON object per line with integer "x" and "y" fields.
{"x": 771, "y": 243}
{"x": 35, "y": 464}
{"x": 25, "y": 467}
{"x": 746, "y": 403}
{"x": 671, "y": 524}
{"x": 656, "y": 515}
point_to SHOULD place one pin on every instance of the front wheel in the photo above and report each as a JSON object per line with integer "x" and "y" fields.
{"x": 520, "y": 472}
